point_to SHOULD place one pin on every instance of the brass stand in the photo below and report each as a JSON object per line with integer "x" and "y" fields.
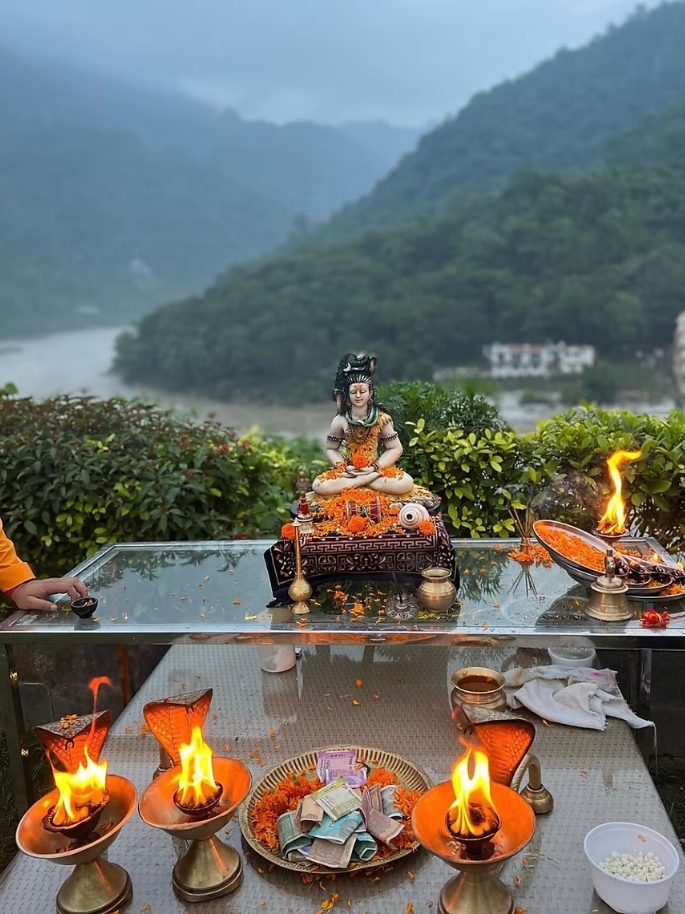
{"x": 608, "y": 599}
{"x": 95, "y": 886}
{"x": 300, "y": 590}
{"x": 208, "y": 868}
{"x": 476, "y": 890}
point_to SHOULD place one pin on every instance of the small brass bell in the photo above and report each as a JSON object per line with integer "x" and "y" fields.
{"x": 608, "y": 599}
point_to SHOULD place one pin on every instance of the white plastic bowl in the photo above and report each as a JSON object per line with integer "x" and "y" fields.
{"x": 571, "y": 657}
{"x": 624, "y": 895}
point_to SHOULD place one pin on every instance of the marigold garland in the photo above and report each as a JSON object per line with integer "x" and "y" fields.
{"x": 359, "y": 462}
{"x": 426, "y": 527}
{"x": 287, "y": 794}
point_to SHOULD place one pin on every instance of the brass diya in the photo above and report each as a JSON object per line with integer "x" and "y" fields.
{"x": 208, "y": 868}
{"x": 477, "y": 889}
{"x": 96, "y": 885}
{"x": 73, "y": 746}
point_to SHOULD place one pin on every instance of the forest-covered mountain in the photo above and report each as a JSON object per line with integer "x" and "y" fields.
{"x": 556, "y": 117}
{"x": 113, "y": 198}
{"x": 595, "y": 258}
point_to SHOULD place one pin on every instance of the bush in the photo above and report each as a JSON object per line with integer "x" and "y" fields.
{"x": 475, "y": 475}
{"x": 76, "y": 474}
{"x": 562, "y": 470}
{"x": 407, "y": 402}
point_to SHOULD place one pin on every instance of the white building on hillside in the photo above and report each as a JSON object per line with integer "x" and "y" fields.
{"x": 531, "y": 360}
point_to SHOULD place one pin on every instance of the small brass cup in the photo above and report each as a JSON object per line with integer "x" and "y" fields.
{"x": 478, "y": 685}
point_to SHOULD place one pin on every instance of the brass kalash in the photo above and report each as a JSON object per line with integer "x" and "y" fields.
{"x": 77, "y": 822}
{"x": 195, "y": 798}
{"x": 476, "y": 821}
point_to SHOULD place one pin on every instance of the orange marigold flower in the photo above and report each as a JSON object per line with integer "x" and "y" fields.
{"x": 426, "y": 527}
{"x": 356, "y": 524}
{"x": 359, "y": 461}
{"x": 288, "y": 531}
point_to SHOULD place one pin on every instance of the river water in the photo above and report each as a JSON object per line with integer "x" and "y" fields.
{"x": 78, "y": 362}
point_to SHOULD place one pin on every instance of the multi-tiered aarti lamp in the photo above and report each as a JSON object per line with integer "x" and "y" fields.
{"x": 195, "y": 798}
{"x": 79, "y": 820}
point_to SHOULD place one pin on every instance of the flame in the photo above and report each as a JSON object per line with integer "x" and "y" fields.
{"x": 196, "y": 785}
{"x": 94, "y": 686}
{"x": 614, "y": 518}
{"x": 473, "y": 813}
{"x": 80, "y": 792}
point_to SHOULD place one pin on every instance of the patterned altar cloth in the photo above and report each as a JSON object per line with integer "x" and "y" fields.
{"x": 325, "y": 558}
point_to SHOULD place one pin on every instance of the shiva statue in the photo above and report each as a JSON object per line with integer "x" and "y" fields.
{"x": 359, "y": 428}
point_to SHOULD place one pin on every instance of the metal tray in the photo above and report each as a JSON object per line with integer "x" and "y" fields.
{"x": 584, "y": 575}
{"x": 408, "y": 775}
{"x": 539, "y": 528}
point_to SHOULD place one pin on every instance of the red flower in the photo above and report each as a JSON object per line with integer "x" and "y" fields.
{"x": 653, "y": 619}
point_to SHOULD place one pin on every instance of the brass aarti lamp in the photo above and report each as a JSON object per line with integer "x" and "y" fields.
{"x": 79, "y": 820}
{"x": 193, "y": 801}
{"x": 477, "y": 889}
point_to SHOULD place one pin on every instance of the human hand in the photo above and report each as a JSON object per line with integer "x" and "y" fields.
{"x": 34, "y": 594}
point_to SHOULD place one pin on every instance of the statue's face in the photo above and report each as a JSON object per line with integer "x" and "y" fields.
{"x": 359, "y": 394}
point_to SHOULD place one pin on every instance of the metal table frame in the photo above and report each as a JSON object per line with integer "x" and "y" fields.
{"x": 251, "y": 625}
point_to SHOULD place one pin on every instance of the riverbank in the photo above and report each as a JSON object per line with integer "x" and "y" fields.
{"x": 78, "y": 362}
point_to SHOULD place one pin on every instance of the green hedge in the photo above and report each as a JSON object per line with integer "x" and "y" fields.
{"x": 76, "y": 473}
{"x": 560, "y": 470}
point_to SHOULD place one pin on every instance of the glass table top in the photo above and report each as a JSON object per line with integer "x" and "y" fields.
{"x": 218, "y": 592}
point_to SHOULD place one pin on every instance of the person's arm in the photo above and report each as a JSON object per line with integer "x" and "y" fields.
{"x": 13, "y": 572}
{"x": 18, "y": 583}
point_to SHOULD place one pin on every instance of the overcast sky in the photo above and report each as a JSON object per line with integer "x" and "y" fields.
{"x": 405, "y": 61}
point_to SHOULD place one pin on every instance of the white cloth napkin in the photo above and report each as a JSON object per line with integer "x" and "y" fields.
{"x": 579, "y": 697}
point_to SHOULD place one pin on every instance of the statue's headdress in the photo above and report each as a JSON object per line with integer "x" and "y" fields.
{"x": 353, "y": 369}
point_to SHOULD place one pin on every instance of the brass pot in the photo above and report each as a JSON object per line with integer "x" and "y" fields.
{"x": 478, "y": 685}
{"x": 437, "y": 592}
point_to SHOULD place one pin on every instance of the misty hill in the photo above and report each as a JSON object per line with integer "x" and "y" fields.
{"x": 556, "y": 117}
{"x": 595, "y": 258}
{"x": 113, "y": 198}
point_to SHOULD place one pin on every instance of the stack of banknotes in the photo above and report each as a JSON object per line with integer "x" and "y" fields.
{"x": 342, "y": 821}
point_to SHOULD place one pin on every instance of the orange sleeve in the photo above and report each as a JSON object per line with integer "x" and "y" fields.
{"x": 13, "y": 571}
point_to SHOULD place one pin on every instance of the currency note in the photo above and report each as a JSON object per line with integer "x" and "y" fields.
{"x": 340, "y": 763}
{"x": 325, "y": 853}
{"x": 375, "y": 794}
{"x": 383, "y": 827}
{"x": 365, "y": 847}
{"x": 337, "y": 799}
{"x": 291, "y": 837}
{"x": 339, "y": 831}
{"x": 308, "y": 813}
{"x": 388, "y": 802}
